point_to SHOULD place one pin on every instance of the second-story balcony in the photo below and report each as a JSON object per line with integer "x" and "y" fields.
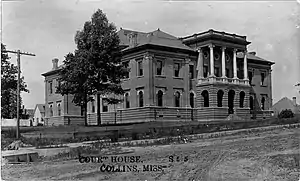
{"x": 224, "y": 80}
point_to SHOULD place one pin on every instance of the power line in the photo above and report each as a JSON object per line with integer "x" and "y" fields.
{"x": 19, "y": 53}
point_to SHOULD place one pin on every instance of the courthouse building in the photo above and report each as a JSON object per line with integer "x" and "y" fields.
{"x": 202, "y": 77}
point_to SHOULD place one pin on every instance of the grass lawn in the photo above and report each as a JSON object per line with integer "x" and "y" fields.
{"x": 269, "y": 155}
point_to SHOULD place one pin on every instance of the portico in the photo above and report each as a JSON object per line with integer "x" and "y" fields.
{"x": 213, "y": 59}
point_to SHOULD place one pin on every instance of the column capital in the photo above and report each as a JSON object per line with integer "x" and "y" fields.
{"x": 235, "y": 50}
{"x": 199, "y": 49}
{"x": 211, "y": 46}
{"x": 245, "y": 51}
{"x": 148, "y": 56}
{"x": 223, "y": 48}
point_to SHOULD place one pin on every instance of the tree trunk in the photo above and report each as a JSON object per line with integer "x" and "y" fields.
{"x": 98, "y": 110}
{"x": 85, "y": 111}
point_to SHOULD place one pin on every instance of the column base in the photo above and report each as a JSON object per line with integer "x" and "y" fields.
{"x": 235, "y": 80}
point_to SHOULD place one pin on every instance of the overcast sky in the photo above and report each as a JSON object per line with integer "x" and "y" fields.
{"x": 47, "y": 28}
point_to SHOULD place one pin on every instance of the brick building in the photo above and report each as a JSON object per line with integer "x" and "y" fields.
{"x": 59, "y": 110}
{"x": 206, "y": 76}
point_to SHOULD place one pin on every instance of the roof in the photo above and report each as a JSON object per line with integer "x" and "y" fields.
{"x": 286, "y": 103}
{"x": 53, "y": 71}
{"x": 157, "y": 37}
{"x": 251, "y": 56}
{"x": 217, "y": 34}
{"x": 41, "y": 107}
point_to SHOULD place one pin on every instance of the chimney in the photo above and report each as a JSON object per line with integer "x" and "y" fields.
{"x": 54, "y": 63}
{"x": 294, "y": 101}
{"x": 132, "y": 39}
{"x": 252, "y": 53}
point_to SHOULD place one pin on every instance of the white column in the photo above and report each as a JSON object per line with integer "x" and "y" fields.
{"x": 223, "y": 62}
{"x": 234, "y": 64}
{"x": 212, "y": 73}
{"x": 200, "y": 64}
{"x": 245, "y": 66}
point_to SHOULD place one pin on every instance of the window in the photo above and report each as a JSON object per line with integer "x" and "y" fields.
{"x": 220, "y": 98}
{"x": 250, "y": 75}
{"x": 177, "y": 99}
{"x": 242, "y": 98}
{"x": 93, "y": 106}
{"x": 192, "y": 101}
{"x": 160, "y": 98}
{"x": 227, "y": 72}
{"x": 37, "y": 120}
{"x": 239, "y": 72}
{"x": 50, "y": 87}
{"x": 192, "y": 71}
{"x": 141, "y": 99}
{"x": 51, "y": 110}
{"x": 176, "y": 69}
{"x": 217, "y": 71}
{"x": 206, "y": 54}
{"x": 104, "y": 105}
{"x": 251, "y": 103}
{"x": 140, "y": 68}
{"x": 205, "y": 71}
{"x": 58, "y": 109}
{"x": 263, "y": 76}
{"x": 205, "y": 96}
{"x": 159, "y": 67}
{"x": 125, "y": 64}
{"x": 127, "y": 103}
{"x": 263, "y": 103}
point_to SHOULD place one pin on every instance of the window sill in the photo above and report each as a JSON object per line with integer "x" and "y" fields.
{"x": 140, "y": 76}
{"x": 125, "y": 79}
{"x": 160, "y": 76}
{"x": 181, "y": 78}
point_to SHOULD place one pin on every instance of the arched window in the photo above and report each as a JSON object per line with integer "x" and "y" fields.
{"x": 177, "y": 99}
{"x": 251, "y": 103}
{"x": 263, "y": 100}
{"x": 160, "y": 98}
{"x": 51, "y": 110}
{"x": 141, "y": 99}
{"x": 58, "y": 109}
{"x": 205, "y": 96}
{"x": 192, "y": 102}
{"x": 242, "y": 98}
{"x": 127, "y": 103}
{"x": 220, "y": 98}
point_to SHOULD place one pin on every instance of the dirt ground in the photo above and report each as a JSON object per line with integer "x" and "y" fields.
{"x": 268, "y": 156}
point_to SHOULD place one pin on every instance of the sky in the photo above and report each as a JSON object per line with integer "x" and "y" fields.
{"x": 47, "y": 28}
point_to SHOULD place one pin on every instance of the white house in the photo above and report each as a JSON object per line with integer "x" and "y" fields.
{"x": 39, "y": 114}
{"x": 286, "y": 103}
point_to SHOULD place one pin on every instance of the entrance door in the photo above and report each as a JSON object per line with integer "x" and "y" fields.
{"x": 231, "y": 94}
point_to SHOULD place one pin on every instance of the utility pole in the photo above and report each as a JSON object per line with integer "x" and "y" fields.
{"x": 19, "y": 53}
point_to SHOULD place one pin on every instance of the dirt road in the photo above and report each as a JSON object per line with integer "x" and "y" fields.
{"x": 271, "y": 155}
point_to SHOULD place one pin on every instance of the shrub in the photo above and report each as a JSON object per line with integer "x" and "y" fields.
{"x": 287, "y": 113}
